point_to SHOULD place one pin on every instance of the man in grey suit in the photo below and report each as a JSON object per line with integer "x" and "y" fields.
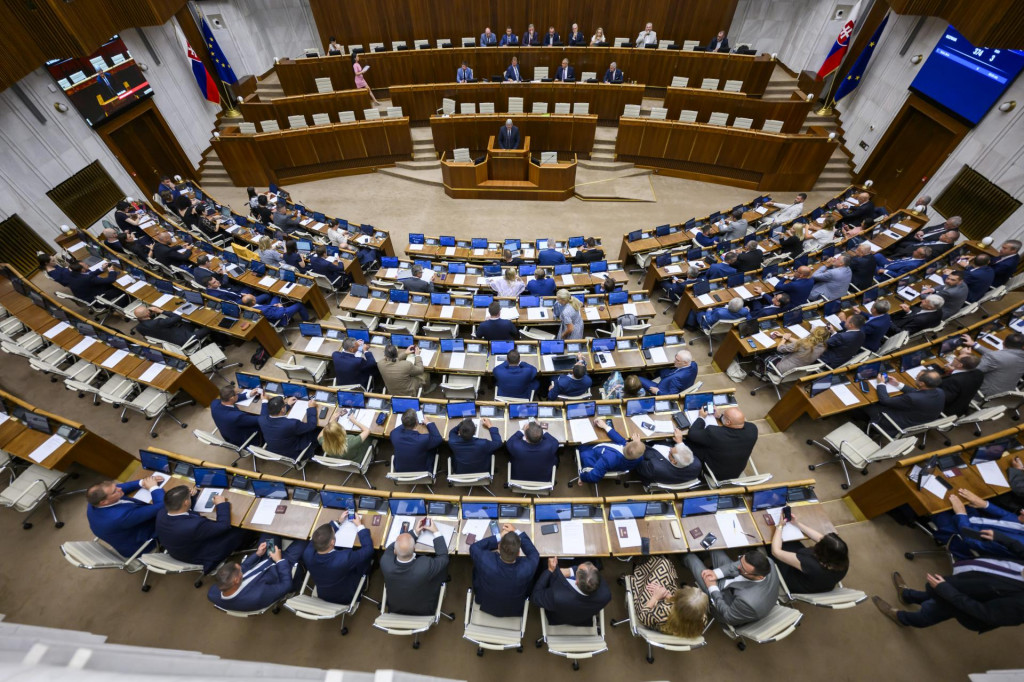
{"x": 832, "y": 280}
{"x": 414, "y": 581}
{"x": 1002, "y": 368}
{"x": 741, "y": 591}
{"x": 953, "y": 292}
{"x": 736, "y": 228}
{"x": 416, "y": 283}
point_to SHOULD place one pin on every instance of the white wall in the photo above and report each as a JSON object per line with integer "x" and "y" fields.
{"x": 256, "y": 31}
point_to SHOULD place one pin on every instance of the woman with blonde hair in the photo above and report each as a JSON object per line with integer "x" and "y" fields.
{"x": 336, "y": 442}
{"x": 661, "y": 604}
{"x": 792, "y": 241}
{"x": 598, "y": 37}
{"x": 269, "y": 255}
{"x": 800, "y": 352}
{"x": 567, "y": 309}
{"x": 509, "y": 285}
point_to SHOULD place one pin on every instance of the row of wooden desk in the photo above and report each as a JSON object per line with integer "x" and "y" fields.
{"x": 547, "y": 132}
{"x": 650, "y": 67}
{"x": 791, "y": 112}
{"x": 255, "y": 110}
{"x": 589, "y": 531}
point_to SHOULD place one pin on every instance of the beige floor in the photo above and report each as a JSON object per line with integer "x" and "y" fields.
{"x": 38, "y": 587}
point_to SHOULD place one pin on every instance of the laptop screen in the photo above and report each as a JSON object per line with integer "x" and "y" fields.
{"x": 705, "y": 504}
{"x": 247, "y": 381}
{"x": 522, "y": 410}
{"x": 155, "y": 462}
{"x": 641, "y": 406}
{"x": 580, "y": 410}
{"x": 402, "y": 340}
{"x": 400, "y": 405}
{"x": 766, "y": 499}
{"x": 208, "y": 477}
{"x": 556, "y": 346}
{"x": 479, "y": 510}
{"x": 627, "y": 510}
{"x": 351, "y": 399}
{"x": 271, "y": 489}
{"x": 453, "y": 345}
{"x": 414, "y": 507}
{"x": 294, "y": 391}
{"x": 461, "y": 410}
{"x": 310, "y": 329}
{"x": 335, "y": 500}
{"x": 653, "y": 340}
{"x": 552, "y": 512}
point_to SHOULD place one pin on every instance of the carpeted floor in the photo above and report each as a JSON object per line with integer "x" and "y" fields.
{"x": 38, "y": 587}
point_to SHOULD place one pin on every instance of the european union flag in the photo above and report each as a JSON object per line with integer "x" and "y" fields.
{"x": 219, "y": 60}
{"x": 853, "y": 78}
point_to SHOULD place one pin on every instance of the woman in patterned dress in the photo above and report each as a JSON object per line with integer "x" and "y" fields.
{"x": 662, "y": 605}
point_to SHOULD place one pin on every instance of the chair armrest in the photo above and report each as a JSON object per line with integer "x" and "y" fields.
{"x": 28, "y": 488}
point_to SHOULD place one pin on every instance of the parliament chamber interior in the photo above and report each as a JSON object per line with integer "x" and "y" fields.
{"x": 402, "y": 340}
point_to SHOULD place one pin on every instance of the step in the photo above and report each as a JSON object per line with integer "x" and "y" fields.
{"x": 610, "y": 165}
{"x": 430, "y": 177}
{"x": 430, "y": 155}
{"x": 419, "y": 164}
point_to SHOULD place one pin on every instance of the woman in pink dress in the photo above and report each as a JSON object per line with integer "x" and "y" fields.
{"x": 360, "y": 80}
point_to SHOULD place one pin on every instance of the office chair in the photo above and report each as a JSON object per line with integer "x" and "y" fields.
{"x": 310, "y": 607}
{"x": 493, "y": 632}
{"x": 471, "y": 481}
{"x": 34, "y": 486}
{"x": 95, "y": 554}
{"x": 575, "y": 642}
{"x": 404, "y": 626}
{"x": 655, "y": 638}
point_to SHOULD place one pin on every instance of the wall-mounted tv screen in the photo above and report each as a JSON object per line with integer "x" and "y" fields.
{"x": 964, "y": 79}
{"x": 102, "y": 84}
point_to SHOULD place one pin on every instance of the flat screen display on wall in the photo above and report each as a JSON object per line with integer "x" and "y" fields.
{"x": 102, "y": 84}
{"x": 964, "y": 79}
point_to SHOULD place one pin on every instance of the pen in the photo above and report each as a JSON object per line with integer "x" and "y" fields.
{"x": 736, "y": 527}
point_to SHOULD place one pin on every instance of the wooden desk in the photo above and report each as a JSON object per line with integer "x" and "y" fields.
{"x": 595, "y": 532}
{"x": 297, "y": 522}
{"x": 810, "y": 513}
{"x": 256, "y": 110}
{"x": 663, "y": 530}
{"x": 709, "y": 523}
{"x": 791, "y": 112}
{"x": 572, "y": 134}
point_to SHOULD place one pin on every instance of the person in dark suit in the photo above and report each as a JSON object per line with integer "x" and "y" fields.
{"x": 234, "y": 293}
{"x": 416, "y": 282}
{"x": 161, "y": 250}
{"x": 235, "y": 426}
{"x": 769, "y": 304}
{"x": 1005, "y": 264}
{"x": 750, "y": 257}
{"x": 494, "y": 328}
{"x": 284, "y": 436}
{"x": 741, "y": 591}
{"x": 602, "y": 458}
{"x": 961, "y": 384}
{"x": 349, "y": 366}
{"x": 921, "y": 402}
{"x": 589, "y": 252}
{"x": 897, "y": 268}
{"x": 413, "y": 581}
{"x": 676, "y": 379}
{"x": 502, "y": 579}
{"x": 725, "y": 268}
{"x": 121, "y": 521}
{"x": 508, "y": 136}
{"x": 550, "y": 257}
{"x": 925, "y": 316}
{"x": 194, "y": 539}
{"x": 844, "y": 344}
{"x": 509, "y": 39}
{"x": 953, "y": 292}
{"x": 472, "y": 455}
{"x": 720, "y": 43}
{"x": 862, "y": 267}
{"x": 336, "y": 570}
{"x": 513, "y": 378}
{"x": 61, "y": 275}
{"x": 856, "y": 214}
{"x": 319, "y": 264}
{"x": 939, "y": 245}
{"x": 876, "y": 326}
{"x": 88, "y": 285}
{"x": 260, "y": 581}
{"x": 167, "y": 327}
{"x": 512, "y": 72}
{"x": 531, "y": 37}
{"x": 678, "y": 466}
{"x": 261, "y": 211}
{"x": 798, "y": 286}
{"x": 415, "y": 444}
{"x": 575, "y": 603}
{"x": 533, "y": 453}
{"x": 613, "y": 74}
{"x": 724, "y": 449}
{"x": 565, "y": 72}
{"x": 551, "y": 38}
{"x": 978, "y": 276}
{"x": 573, "y": 383}
{"x": 541, "y": 284}
{"x": 576, "y": 37}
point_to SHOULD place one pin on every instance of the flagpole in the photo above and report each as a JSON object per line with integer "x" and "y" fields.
{"x": 827, "y": 108}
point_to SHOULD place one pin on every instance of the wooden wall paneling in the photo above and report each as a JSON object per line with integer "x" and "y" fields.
{"x": 144, "y": 144}
{"x": 792, "y": 113}
{"x": 243, "y": 164}
{"x": 1001, "y": 24}
{"x": 399, "y": 137}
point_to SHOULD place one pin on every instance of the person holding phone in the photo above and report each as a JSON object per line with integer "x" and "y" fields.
{"x": 260, "y": 581}
{"x": 970, "y": 525}
{"x": 725, "y": 448}
{"x": 501, "y": 578}
{"x": 808, "y": 570}
{"x": 619, "y": 455}
{"x": 741, "y": 591}
{"x": 413, "y": 581}
{"x": 336, "y": 570}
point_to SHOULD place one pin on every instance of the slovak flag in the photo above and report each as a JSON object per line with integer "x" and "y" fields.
{"x": 204, "y": 80}
{"x": 842, "y": 44}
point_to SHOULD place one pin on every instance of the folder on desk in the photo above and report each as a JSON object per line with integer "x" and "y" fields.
{"x": 582, "y": 430}
{"x": 298, "y": 410}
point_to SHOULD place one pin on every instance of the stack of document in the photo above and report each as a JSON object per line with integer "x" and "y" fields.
{"x": 363, "y": 416}
{"x": 658, "y": 355}
{"x": 314, "y": 343}
{"x": 582, "y": 430}
{"x": 298, "y": 410}
{"x": 346, "y": 535}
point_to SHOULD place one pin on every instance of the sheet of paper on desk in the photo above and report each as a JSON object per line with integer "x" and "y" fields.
{"x": 536, "y": 313}
{"x": 46, "y": 448}
{"x": 509, "y": 314}
{"x": 3, "y": 417}
{"x": 705, "y": 299}
{"x": 298, "y": 410}
{"x": 845, "y": 395}
{"x": 415, "y": 247}
{"x": 673, "y": 269}
{"x": 114, "y": 358}
{"x": 875, "y": 248}
{"x": 426, "y": 355}
{"x": 364, "y": 304}
{"x": 816, "y": 323}
{"x": 627, "y": 532}
{"x": 346, "y": 535}
{"x": 456, "y": 361}
{"x": 605, "y": 359}
{"x": 574, "y": 542}
{"x": 447, "y": 311}
{"x": 798, "y": 331}
{"x": 761, "y": 209}
{"x": 204, "y": 501}
{"x": 124, "y": 280}
{"x": 732, "y": 533}
{"x": 479, "y": 252}
{"x": 153, "y": 371}
{"x": 363, "y": 416}
{"x": 937, "y": 279}
{"x": 915, "y": 371}
{"x": 638, "y": 420}
{"x": 391, "y": 273}
{"x": 821, "y": 220}
{"x": 400, "y": 273}
{"x": 267, "y": 281}
{"x": 402, "y": 308}
{"x": 582, "y": 430}
{"x": 99, "y": 266}
{"x": 426, "y": 538}
{"x": 773, "y": 281}
{"x": 901, "y": 228}
{"x": 658, "y": 355}
{"x": 548, "y": 362}
{"x": 265, "y": 512}
{"x": 314, "y": 343}
{"x": 247, "y": 400}
{"x": 742, "y": 292}
{"x": 568, "y": 279}
{"x": 629, "y": 309}
{"x": 790, "y": 532}
{"x": 694, "y": 415}
{"x": 592, "y": 313}
{"x": 477, "y": 527}
{"x": 932, "y": 485}
{"x": 459, "y": 279}
{"x": 908, "y": 293}
{"x": 890, "y": 234}
{"x": 527, "y": 253}
{"x": 135, "y": 287}
{"x": 364, "y": 239}
{"x": 764, "y": 339}
{"x": 146, "y": 496}
{"x": 428, "y": 275}
{"x": 162, "y": 301}
{"x": 992, "y": 340}
{"x": 449, "y": 251}
{"x": 56, "y": 329}
{"x": 287, "y": 287}
{"x": 82, "y": 345}
{"x": 992, "y": 474}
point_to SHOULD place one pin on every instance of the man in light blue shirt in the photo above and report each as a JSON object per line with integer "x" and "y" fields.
{"x": 464, "y": 74}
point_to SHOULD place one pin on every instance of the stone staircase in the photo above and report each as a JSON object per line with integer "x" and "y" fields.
{"x": 212, "y": 173}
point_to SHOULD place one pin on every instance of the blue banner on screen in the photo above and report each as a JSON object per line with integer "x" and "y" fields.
{"x": 965, "y": 79}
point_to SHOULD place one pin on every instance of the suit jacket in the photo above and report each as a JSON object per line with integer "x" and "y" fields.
{"x": 531, "y": 38}
{"x": 983, "y": 601}
{"x": 567, "y": 384}
{"x": 1008, "y": 530}
{"x": 235, "y": 426}
{"x": 337, "y": 573}
{"x": 959, "y": 389}
{"x": 509, "y": 39}
{"x": 857, "y": 214}
{"x": 88, "y": 285}
{"x": 744, "y": 601}
{"x": 414, "y": 451}
{"x": 128, "y": 523}
{"x": 564, "y": 604}
{"x": 508, "y": 139}
{"x": 734, "y": 229}
{"x": 1002, "y": 369}
{"x": 532, "y": 461}
{"x": 898, "y": 268}
{"x": 197, "y": 540}
{"x": 513, "y": 73}
{"x": 325, "y": 267}
{"x": 497, "y": 330}
{"x": 715, "y": 46}
{"x": 875, "y": 330}
{"x": 725, "y": 451}
{"x": 749, "y": 260}
{"x": 501, "y": 589}
{"x": 605, "y": 457}
{"x": 1004, "y": 268}
{"x": 515, "y": 381}
{"x": 473, "y": 456}
{"x": 551, "y": 39}
{"x": 418, "y": 285}
{"x": 862, "y": 271}
{"x": 978, "y": 281}
{"x": 169, "y": 255}
{"x": 953, "y": 298}
{"x": 288, "y": 437}
{"x": 798, "y": 289}
{"x": 677, "y": 380}
{"x": 413, "y": 588}
{"x": 550, "y": 257}
{"x": 351, "y": 369}
{"x": 916, "y": 320}
{"x": 842, "y": 346}
{"x": 655, "y": 468}
{"x": 613, "y": 76}
{"x": 541, "y": 287}
{"x": 486, "y": 40}
{"x": 910, "y": 408}
{"x": 264, "y": 582}
{"x": 588, "y": 255}
{"x": 577, "y": 39}
{"x": 167, "y": 327}
{"x": 831, "y": 283}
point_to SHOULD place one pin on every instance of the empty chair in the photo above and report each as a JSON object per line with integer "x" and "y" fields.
{"x": 395, "y": 44}
{"x": 353, "y": 48}
{"x": 581, "y": 108}
{"x": 324, "y": 85}
{"x": 486, "y": 107}
{"x": 94, "y": 554}
{"x": 575, "y": 642}
{"x": 754, "y": 478}
{"x": 298, "y": 463}
{"x": 732, "y": 86}
{"x": 848, "y": 444}
{"x": 321, "y": 119}
{"x": 311, "y": 52}
{"x": 447, "y": 106}
{"x": 441, "y": 42}
{"x": 680, "y": 81}
{"x": 539, "y": 108}
{"x": 688, "y": 116}
{"x": 163, "y": 563}
{"x": 663, "y": 44}
{"x": 152, "y": 402}
{"x": 562, "y": 107}
{"x": 515, "y": 105}
{"x": 493, "y": 632}
{"x": 468, "y": 41}
{"x": 622, "y": 42}
{"x": 269, "y": 126}
{"x": 247, "y": 128}
{"x": 631, "y": 111}
{"x": 422, "y": 44}
{"x": 397, "y": 624}
{"x": 467, "y": 108}
{"x": 772, "y": 126}
{"x": 709, "y": 84}
{"x": 310, "y": 607}
{"x": 34, "y": 486}
{"x": 377, "y": 47}
{"x": 213, "y": 438}
{"x": 471, "y": 481}
{"x": 297, "y": 121}
{"x": 461, "y": 155}
{"x": 414, "y": 478}
{"x": 346, "y": 117}
{"x": 371, "y": 114}
{"x": 742, "y": 122}
{"x": 540, "y": 73}
{"x": 660, "y": 113}
{"x": 654, "y": 638}
{"x": 780, "y": 623}
{"x": 718, "y": 118}
{"x": 304, "y": 368}
{"x": 588, "y": 76}
{"x": 690, "y": 44}
{"x": 395, "y": 112}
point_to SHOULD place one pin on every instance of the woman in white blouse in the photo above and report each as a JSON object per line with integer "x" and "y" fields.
{"x": 507, "y": 286}
{"x": 337, "y": 236}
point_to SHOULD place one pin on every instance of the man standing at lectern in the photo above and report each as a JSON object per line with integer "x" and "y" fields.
{"x": 508, "y": 138}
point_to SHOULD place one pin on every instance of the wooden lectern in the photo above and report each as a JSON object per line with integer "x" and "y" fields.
{"x": 509, "y": 174}
{"x": 508, "y": 164}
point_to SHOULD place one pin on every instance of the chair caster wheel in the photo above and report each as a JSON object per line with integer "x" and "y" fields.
{"x": 519, "y": 649}
{"x": 198, "y": 583}
{"x": 755, "y": 393}
{"x": 59, "y": 524}
{"x": 26, "y": 526}
{"x": 844, "y": 486}
{"x": 810, "y": 441}
{"x": 81, "y": 395}
{"x": 147, "y": 588}
{"x": 620, "y": 580}
{"x": 909, "y": 556}
{"x": 650, "y": 659}
{"x": 415, "y": 645}
{"x": 276, "y": 610}
{"x": 479, "y": 652}
{"x": 154, "y": 435}
{"x": 864, "y": 471}
{"x": 184, "y": 426}
{"x": 539, "y": 643}
{"x": 344, "y": 631}
{"x": 811, "y": 467}
{"x": 575, "y": 665}
{"x": 124, "y": 420}
{"x": 570, "y": 484}
{"x": 742, "y": 646}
